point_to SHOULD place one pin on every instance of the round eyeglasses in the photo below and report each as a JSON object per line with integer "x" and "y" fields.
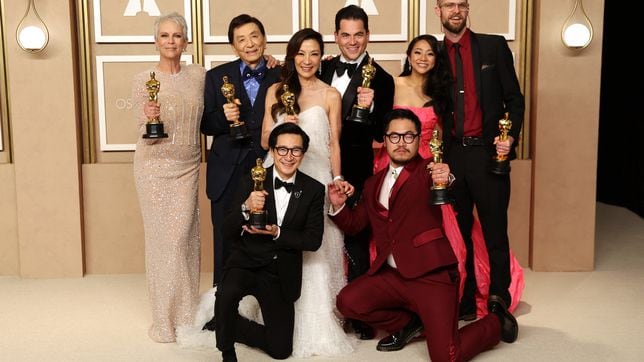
{"x": 295, "y": 151}
{"x": 406, "y": 137}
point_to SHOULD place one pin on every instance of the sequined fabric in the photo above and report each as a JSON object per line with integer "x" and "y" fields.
{"x": 166, "y": 173}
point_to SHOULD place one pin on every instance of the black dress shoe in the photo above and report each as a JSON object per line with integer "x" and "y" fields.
{"x": 210, "y": 326}
{"x": 466, "y": 312}
{"x": 363, "y": 330}
{"x": 509, "y": 325}
{"x": 398, "y": 340}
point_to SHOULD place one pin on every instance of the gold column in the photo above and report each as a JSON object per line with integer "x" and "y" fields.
{"x": 414, "y": 18}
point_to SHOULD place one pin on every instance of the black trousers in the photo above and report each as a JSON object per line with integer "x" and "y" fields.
{"x": 476, "y": 186}
{"x": 357, "y": 246}
{"x": 275, "y": 337}
{"x": 221, "y": 247}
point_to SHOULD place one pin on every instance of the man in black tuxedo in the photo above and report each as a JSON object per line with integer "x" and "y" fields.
{"x": 268, "y": 263}
{"x": 356, "y": 151}
{"x": 487, "y": 90}
{"x": 229, "y": 159}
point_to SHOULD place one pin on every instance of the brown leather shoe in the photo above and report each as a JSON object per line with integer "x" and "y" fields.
{"x": 509, "y": 325}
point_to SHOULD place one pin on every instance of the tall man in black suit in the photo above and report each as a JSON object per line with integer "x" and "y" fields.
{"x": 229, "y": 159}
{"x": 356, "y": 151}
{"x": 268, "y": 263}
{"x": 490, "y": 88}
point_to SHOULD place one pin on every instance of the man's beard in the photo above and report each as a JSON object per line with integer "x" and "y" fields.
{"x": 454, "y": 29}
{"x": 402, "y": 159}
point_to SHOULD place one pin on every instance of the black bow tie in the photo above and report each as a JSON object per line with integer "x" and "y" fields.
{"x": 349, "y": 67}
{"x": 257, "y": 73}
{"x": 287, "y": 185}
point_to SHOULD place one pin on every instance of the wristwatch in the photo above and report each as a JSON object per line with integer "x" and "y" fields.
{"x": 244, "y": 208}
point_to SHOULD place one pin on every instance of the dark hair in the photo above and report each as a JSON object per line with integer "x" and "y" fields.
{"x": 401, "y": 113}
{"x": 351, "y": 12}
{"x": 288, "y": 128}
{"x": 240, "y": 20}
{"x": 289, "y": 74}
{"x": 437, "y": 80}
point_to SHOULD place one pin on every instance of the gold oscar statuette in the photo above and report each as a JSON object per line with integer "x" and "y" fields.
{"x": 154, "y": 126}
{"x": 288, "y": 100}
{"x": 257, "y": 217}
{"x": 440, "y": 194}
{"x": 501, "y": 163}
{"x": 238, "y": 130}
{"x": 360, "y": 113}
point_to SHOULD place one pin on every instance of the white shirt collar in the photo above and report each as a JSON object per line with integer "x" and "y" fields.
{"x": 357, "y": 61}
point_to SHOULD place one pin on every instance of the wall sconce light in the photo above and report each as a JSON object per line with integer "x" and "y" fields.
{"x": 577, "y": 31}
{"x": 32, "y": 34}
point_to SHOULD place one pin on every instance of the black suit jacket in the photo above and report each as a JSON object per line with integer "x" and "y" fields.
{"x": 497, "y": 89}
{"x": 356, "y": 151}
{"x": 226, "y": 153}
{"x": 301, "y": 229}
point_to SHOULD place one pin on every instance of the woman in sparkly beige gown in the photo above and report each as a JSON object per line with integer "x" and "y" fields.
{"x": 166, "y": 171}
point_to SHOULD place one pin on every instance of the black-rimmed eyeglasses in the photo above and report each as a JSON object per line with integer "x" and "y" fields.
{"x": 406, "y": 137}
{"x": 295, "y": 151}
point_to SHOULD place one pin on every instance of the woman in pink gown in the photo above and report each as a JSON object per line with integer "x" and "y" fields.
{"x": 423, "y": 88}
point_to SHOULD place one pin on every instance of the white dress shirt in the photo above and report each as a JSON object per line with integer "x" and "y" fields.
{"x": 342, "y": 83}
{"x": 282, "y": 197}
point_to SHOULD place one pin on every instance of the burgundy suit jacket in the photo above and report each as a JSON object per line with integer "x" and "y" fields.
{"x": 411, "y": 229}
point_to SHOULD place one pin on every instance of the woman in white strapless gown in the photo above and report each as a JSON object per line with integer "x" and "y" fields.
{"x": 318, "y": 329}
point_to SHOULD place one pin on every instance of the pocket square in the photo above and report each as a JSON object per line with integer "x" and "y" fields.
{"x": 487, "y": 66}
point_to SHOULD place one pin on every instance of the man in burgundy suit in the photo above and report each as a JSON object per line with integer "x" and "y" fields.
{"x": 413, "y": 282}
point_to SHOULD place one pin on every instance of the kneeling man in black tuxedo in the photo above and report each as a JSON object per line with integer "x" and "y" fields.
{"x": 267, "y": 264}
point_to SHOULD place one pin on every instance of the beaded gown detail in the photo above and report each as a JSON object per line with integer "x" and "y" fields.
{"x": 318, "y": 330}
{"x": 166, "y": 173}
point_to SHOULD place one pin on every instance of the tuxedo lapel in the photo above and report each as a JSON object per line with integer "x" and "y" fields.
{"x": 476, "y": 62}
{"x": 406, "y": 172}
{"x": 349, "y": 96}
{"x": 376, "y": 191}
{"x": 269, "y": 205}
{"x": 261, "y": 93}
{"x": 234, "y": 77}
{"x": 293, "y": 201}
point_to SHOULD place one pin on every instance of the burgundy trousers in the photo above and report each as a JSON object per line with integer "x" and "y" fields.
{"x": 386, "y": 300}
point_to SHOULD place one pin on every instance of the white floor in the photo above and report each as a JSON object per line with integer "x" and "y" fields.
{"x": 593, "y": 316}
